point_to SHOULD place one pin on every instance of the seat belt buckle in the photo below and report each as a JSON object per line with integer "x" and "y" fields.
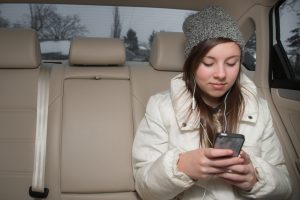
{"x": 40, "y": 195}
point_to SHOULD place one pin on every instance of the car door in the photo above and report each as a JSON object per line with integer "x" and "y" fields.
{"x": 285, "y": 81}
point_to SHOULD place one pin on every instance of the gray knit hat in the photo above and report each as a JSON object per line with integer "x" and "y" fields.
{"x": 209, "y": 23}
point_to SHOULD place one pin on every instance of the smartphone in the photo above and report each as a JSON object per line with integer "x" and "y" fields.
{"x": 231, "y": 141}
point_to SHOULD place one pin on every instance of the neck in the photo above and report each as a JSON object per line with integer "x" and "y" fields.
{"x": 212, "y": 102}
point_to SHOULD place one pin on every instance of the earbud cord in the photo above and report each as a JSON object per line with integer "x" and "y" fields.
{"x": 224, "y": 113}
{"x": 193, "y": 99}
{"x": 204, "y": 193}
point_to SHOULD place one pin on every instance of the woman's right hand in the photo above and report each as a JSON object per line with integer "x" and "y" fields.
{"x": 203, "y": 163}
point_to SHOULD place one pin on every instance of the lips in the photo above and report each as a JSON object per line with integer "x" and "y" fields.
{"x": 218, "y": 86}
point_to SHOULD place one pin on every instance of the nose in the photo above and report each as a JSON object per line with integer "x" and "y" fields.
{"x": 220, "y": 72}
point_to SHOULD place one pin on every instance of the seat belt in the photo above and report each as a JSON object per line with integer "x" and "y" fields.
{"x": 37, "y": 189}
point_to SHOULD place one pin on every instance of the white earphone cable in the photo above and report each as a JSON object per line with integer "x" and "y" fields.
{"x": 193, "y": 99}
{"x": 224, "y": 113}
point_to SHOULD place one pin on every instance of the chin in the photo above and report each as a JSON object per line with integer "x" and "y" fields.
{"x": 218, "y": 94}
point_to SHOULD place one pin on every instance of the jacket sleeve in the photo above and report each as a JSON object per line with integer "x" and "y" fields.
{"x": 154, "y": 164}
{"x": 273, "y": 178}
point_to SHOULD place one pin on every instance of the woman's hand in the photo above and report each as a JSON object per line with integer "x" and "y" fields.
{"x": 203, "y": 163}
{"x": 240, "y": 175}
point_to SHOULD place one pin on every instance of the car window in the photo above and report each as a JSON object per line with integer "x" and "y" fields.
{"x": 249, "y": 60}
{"x": 58, "y": 24}
{"x": 285, "y": 52}
{"x": 289, "y": 19}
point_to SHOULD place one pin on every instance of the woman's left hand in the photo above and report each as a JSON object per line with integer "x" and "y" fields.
{"x": 241, "y": 175}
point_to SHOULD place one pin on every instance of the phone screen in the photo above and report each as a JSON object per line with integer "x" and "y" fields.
{"x": 229, "y": 141}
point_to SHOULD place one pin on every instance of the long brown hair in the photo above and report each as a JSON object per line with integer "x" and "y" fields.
{"x": 234, "y": 101}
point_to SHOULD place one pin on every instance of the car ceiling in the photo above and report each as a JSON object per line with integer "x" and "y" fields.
{"x": 177, "y": 4}
{"x": 240, "y": 6}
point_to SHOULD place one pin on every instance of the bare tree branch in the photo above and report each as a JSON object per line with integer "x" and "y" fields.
{"x": 116, "y": 26}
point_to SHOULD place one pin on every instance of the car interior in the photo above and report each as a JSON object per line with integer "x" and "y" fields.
{"x": 94, "y": 101}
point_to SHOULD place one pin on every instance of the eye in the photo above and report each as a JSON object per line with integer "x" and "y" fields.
{"x": 231, "y": 64}
{"x": 207, "y": 64}
{"x": 232, "y": 61}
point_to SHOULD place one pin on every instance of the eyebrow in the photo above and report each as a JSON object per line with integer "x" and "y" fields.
{"x": 234, "y": 56}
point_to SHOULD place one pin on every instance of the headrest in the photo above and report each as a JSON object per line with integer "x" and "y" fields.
{"x": 97, "y": 51}
{"x": 167, "y": 51}
{"x": 19, "y": 48}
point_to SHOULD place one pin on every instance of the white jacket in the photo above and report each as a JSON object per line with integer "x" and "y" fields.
{"x": 166, "y": 130}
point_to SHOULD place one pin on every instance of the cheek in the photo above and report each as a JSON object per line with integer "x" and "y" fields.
{"x": 233, "y": 73}
{"x": 202, "y": 73}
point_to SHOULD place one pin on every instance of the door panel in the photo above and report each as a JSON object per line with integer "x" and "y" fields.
{"x": 287, "y": 103}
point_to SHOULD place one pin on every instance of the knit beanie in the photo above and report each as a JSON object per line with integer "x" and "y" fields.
{"x": 210, "y": 23}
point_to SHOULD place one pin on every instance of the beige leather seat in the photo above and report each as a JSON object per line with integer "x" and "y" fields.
{"x": 90, "y": 124}
{"x": 166, "y": 61}
{"x": 19, "y": 69}
{"x": 91, "y": 133}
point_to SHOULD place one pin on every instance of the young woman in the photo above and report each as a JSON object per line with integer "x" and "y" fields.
{"x": 173, "y": 154}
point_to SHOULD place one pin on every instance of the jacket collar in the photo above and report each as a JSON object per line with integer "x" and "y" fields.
{"x": 190, "y": 120}
{"x": 250, "y": 95}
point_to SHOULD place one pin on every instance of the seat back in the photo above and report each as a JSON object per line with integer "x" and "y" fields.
{"x": 94, "y": 160}
{"x": 19, "y": 70}
{"x": 166, "y": 61}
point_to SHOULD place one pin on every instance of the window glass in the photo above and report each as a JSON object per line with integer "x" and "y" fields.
{"x": 58, "y": 24}
{"x": 250, "y": 53}
{"x": 289, "y": 16}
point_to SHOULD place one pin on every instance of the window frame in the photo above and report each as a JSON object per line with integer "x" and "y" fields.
{"x": 281, "y": 72}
